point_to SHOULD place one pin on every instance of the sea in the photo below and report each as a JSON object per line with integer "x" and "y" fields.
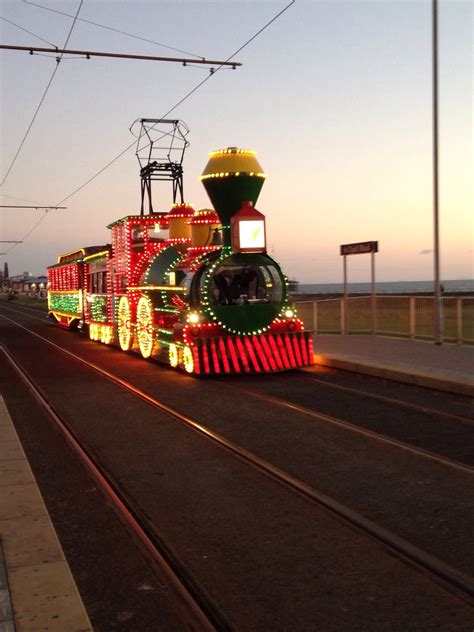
{"x": 386, "y": 287}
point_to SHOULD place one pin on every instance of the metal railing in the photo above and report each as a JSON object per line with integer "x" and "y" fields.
{"x": 404, "y": 316}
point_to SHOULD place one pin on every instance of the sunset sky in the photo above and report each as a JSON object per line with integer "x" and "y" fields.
{"x": 335, "y": 97}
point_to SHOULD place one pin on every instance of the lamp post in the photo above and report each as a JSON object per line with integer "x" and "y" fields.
{"x": 438, "y": 334}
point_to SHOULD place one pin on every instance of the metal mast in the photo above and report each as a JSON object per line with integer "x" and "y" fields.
{"x": 438, "y": 333}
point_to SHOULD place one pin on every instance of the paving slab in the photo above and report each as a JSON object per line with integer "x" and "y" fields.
{"x": 37, "y": 590}
{"x": 444, "y": 367}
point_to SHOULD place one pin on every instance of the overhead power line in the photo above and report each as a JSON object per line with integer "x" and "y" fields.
{"x": 49, "y": 208}
{"x": 14, "y": 197}
{"x": 45, "y": 213}
{"x": 27, "y": 31}
{"x": 186, "y": 96}
{"x": 89, "y": 53}
{"x": 110, "y": 28}
{"x": 42, "y": 99}
{"x": 25, "y": 237}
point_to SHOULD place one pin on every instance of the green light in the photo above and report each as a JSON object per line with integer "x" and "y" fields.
{"x": 98, "y": 309}
{"x": 70, "y": 303}
{"x": 167, "y": 309}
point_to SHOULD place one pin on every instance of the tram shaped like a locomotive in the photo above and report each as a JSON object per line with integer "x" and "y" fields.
{"x": 196, "y": 290}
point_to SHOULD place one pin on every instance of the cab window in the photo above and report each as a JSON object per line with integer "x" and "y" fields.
{"x": 239, "y": 285}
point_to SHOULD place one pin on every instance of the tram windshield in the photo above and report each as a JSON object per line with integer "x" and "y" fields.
{"x": 240, "y": 285}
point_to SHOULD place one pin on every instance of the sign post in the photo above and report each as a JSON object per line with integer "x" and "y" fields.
{"x": 344, "y": 302}
{"x": 360, "y": 248}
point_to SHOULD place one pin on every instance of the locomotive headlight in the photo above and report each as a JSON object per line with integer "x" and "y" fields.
{"x": 289, "y": 313}
{"x": 194, "y": 318}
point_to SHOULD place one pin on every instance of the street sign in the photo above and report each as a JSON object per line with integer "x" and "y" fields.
{"x": 360, "y": 248}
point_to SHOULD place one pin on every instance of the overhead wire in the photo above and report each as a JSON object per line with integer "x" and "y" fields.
{"x": 42, "y": 98}
{"x": 14, "y": 197}
{"x": 110, "y": 28}
{"x": 27, "y": 31}
{"x": 29, "y": 128}
{"x": 109, "y": 164}
{"x": 186, "y": 96}
{"x": 35, "y": 225}
{"x": 45, "y": 212}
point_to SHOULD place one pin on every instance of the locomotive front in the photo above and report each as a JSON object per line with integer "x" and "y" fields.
{"x": 238, "y": 318}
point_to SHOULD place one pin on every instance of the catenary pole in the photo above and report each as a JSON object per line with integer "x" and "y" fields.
{"x": 438, "y": 334}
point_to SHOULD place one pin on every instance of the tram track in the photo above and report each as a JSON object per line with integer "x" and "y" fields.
{"x": 347, "y": 425}
{"x": 356, "y": 429}
{"x": 197, "y": 607}
{"x": 306, "y": 375}
{"x": 403, "y": 549}
{"x": 315, "y": 414}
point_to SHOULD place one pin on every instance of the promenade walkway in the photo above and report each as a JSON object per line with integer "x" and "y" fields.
{"x": 446, "y": 367}
{"x": 37, "y": 589}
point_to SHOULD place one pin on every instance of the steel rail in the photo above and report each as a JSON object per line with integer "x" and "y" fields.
{"x": 347, "y": 425}
{"x": 383, "y": 398}
{"x": 306, "y": 375}
{"x": 416, "y": 557}
{"x": 8, "y": 306}
{"x": 197, "y": 608}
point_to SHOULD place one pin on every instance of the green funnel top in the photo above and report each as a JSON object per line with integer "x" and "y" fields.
{"x": 232, "y": 176}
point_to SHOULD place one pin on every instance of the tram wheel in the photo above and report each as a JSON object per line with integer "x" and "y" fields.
{"x": 145, "y": 326}
{"x": 174, "y": 355}
{"x": 124, "y": 324}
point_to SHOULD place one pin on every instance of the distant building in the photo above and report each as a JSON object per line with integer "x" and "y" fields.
{"x": 28, "y": 285}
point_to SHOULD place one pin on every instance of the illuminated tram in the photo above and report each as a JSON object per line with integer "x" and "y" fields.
{"x": 194, "y": 289}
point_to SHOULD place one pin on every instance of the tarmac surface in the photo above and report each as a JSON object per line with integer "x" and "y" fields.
{"x": 446, "y": 367}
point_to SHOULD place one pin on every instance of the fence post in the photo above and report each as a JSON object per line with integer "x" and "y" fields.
{"x": 315, "y": 317}
{"x": 374, "y": 314}
{"x": 412, "y": 317}
{"x": 459, "y": 321}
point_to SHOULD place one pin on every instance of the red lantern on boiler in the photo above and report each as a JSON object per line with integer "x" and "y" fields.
{"x": 248, "y": 232}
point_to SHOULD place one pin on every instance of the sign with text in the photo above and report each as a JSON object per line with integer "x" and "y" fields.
{"x": 360, "y": 248}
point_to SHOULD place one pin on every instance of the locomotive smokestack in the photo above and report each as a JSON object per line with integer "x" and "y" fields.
{"x": 231, "y": 177}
